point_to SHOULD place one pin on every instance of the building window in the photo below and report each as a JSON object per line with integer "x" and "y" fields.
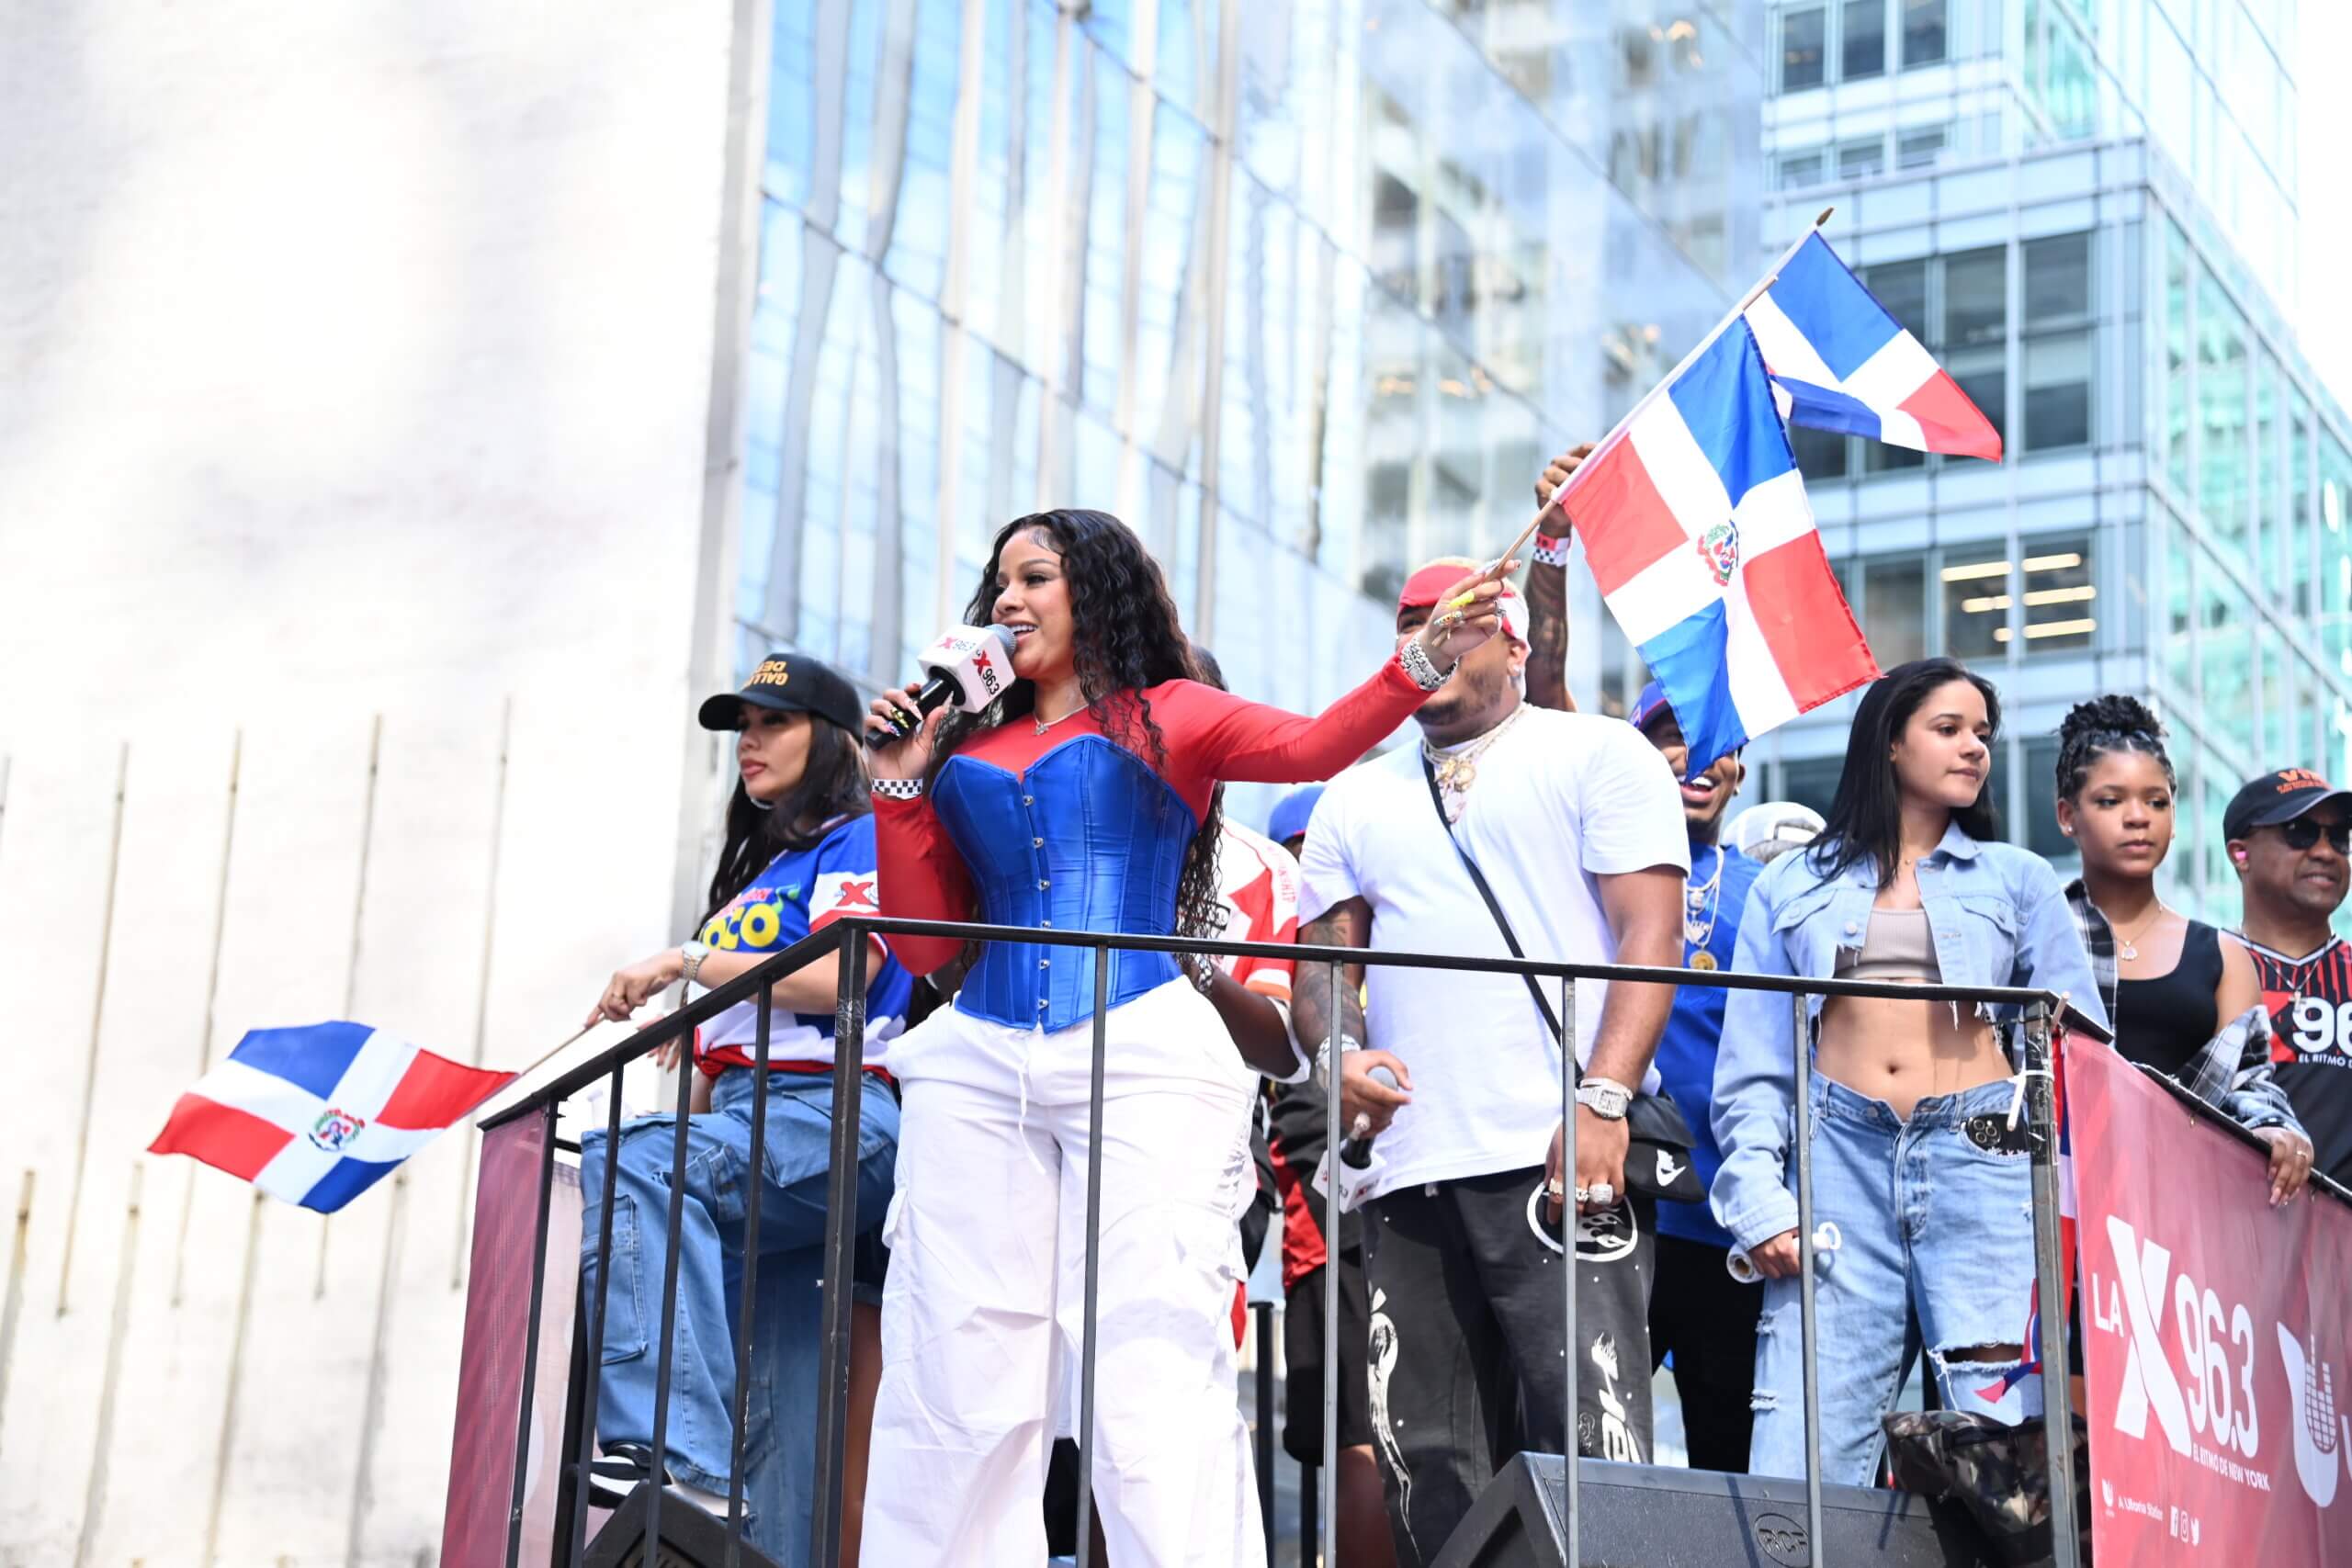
{"x": 2058, "y": 282}
{"x": 2034, "y": 818}
{"x": 1811, "y": 780}
{"x": 1923, "y": 32}
{"x": 1802, "y": 50}
{"x": 1976, "y": 287}
{"x": 1862, "y": 160}
{"x": 2057, "y": 392}
{"x": 1902, "y": 287}
{"x": 1918, "y": 149}
{"x": 1821, "y": 453}
{"x": 2061, "y": 600}
{"x": 1862, "y": 29}
{"x": 1894, "y": 609}
{"x": 1976, "y": 601}
{"x": 1799, "y": 169}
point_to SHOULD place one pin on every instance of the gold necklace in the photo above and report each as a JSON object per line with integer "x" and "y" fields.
{"x": 1458, "y": 770}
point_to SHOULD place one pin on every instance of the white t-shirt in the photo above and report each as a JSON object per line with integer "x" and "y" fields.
{"x": 1559, "y": 799}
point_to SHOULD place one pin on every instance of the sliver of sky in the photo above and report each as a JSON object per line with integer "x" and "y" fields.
{"x": 2325, "y": 198}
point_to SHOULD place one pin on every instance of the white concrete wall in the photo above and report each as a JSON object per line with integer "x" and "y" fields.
{"x": 356, "y": 364}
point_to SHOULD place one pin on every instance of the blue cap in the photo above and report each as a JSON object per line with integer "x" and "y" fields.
{"x": 1648, "y": 706}
{"x": 1292, "y": 812}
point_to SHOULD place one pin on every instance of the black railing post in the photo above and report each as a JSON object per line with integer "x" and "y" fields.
{"x": 1334, "y": 1056}
{"x": 755, "y": 1176}
{"x": 2050, "y": 1266}
{"x": 581, "y": 1487}
{"x": 841, "y": 1234}
{"x": 661, "y": 1366}
{"x": 1569, "y": 1522}
{"x": 531, "y": 1339}
{"x": 1264, "y": 1314}
{"x": 1086, "y": 1345}
{"x": 1802, "y": 1035}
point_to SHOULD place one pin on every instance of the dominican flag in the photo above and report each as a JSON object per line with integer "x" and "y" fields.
{"x": 1841, "y": 362}
{"x": 1697, "y": 530}
{"x": 318, "y": 1115}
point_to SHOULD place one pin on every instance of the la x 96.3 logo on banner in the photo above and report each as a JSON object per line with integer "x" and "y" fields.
{"x": 2217, "y": 1332}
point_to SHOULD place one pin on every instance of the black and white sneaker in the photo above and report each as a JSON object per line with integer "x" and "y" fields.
{"x": 626, "y": 1466}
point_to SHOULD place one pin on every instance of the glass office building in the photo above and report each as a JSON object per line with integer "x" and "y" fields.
{"x": 1306, "y": 290}
{"x": 2086, "y": 208}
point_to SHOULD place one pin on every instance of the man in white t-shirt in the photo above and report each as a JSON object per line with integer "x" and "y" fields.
{"x": 1577, "y": 824}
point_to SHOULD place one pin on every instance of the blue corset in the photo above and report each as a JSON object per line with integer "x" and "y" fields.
{"x": 1089, "y": 840}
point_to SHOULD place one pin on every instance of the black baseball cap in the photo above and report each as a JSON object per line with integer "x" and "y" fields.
{"x": 2277, "y": 796}
{"x": 788, "y": 682}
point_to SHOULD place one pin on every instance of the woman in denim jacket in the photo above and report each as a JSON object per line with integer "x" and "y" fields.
{"x": 1922, "y": 1198}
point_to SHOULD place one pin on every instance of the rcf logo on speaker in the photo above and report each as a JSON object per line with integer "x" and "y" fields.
{"x": 1783, "y": 1540}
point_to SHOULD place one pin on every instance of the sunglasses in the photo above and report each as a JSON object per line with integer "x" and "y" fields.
{"x": 2302, "y": 833}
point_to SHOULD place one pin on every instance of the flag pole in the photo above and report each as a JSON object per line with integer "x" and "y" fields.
{"x": 541, "y": 1060}
{"x": 1617, "y": 434}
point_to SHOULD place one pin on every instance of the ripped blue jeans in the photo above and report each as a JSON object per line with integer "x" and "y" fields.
{"x": 1931, "y": 1226}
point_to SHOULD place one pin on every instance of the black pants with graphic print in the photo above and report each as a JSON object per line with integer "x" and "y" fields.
{"x": 1466, "y": 1356}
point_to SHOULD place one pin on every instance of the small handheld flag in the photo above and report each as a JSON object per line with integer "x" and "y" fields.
{"x": 1840, "y": 361}
{"x": 318, "y": 1115}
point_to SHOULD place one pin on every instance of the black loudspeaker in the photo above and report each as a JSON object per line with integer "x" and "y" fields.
{"x": 1641, "y": 1516}
{"x": 690, "y": 1538}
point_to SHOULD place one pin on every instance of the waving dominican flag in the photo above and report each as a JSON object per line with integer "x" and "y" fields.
{"x": 1697, "y": 529}
{"x": 316, "y": 1116}
{"x": 1841, "y": 362}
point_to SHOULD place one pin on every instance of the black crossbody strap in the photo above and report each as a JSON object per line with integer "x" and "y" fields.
{"x": 1494, "y": 908}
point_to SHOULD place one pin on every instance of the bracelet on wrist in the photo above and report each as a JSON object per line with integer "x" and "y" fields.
{"x": 1550, "y": 550}
{"x": 1421, "y": 666}
{"x": 899, "y": 789}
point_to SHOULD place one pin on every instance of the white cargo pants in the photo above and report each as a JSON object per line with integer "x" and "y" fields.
{"x": 982, "y": 1316}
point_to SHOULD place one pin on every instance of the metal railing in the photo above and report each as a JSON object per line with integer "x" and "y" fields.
{"x": 2040, "y": 1010}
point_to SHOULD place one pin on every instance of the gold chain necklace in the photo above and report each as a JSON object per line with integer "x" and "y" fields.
{"x": 1458, "y": 770}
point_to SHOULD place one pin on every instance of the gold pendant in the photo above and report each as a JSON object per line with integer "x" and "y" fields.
{"x": 1702, "y": 959}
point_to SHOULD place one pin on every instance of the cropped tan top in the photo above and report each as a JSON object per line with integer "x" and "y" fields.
{"x": 1897, "y": 945}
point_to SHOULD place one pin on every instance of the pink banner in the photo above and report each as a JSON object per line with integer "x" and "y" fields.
{"x": 2213, "y": 1328}
{"x": 490, "y": 1364}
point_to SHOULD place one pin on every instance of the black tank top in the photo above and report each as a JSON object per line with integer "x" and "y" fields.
{"x": 2165, "y": 1021}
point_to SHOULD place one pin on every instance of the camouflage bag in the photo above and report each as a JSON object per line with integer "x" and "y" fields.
{"x": 1999, "y": 1475}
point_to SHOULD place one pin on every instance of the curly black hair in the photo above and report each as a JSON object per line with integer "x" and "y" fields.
{"x": 2111, "y": 723}
{"x": 1126, "y": 637}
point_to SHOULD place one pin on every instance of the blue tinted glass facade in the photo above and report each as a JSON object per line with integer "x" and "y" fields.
{"x": 1306, "y": 292}
{"x": 2088, "y": 211}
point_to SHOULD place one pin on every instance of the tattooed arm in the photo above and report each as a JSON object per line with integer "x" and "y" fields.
{"x": 1346, "y": 923}
{"x": 1547, "y": 596}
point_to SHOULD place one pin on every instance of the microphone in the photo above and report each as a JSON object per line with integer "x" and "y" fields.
{"x": 1356, "y": 1152}
{"x": 971, "y": 666}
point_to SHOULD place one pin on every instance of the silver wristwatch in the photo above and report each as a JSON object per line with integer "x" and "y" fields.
{"x": 1605, "y": 1099}
{"x": 694, "y": 952}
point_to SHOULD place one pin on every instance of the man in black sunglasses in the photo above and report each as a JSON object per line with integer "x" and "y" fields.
{"x": 2290, "y": 838}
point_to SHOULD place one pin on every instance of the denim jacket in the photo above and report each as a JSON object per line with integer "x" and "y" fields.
{"x": 1998, "y": 918}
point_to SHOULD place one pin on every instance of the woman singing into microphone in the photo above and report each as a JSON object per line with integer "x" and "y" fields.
{"x": 1082, "y": 800}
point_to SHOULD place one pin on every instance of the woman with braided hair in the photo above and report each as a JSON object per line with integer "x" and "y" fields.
{"x": 2184, "y": 1000}
{"x": 1082, "y": 800}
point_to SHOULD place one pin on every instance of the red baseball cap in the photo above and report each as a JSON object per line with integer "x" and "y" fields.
{"x": 1428, "y": 583}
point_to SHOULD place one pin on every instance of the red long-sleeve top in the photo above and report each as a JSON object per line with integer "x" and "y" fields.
{"x": 1211, "y": 737}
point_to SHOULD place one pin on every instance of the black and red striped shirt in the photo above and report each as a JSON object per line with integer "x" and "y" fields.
{"x": 2310, "y": 1003}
